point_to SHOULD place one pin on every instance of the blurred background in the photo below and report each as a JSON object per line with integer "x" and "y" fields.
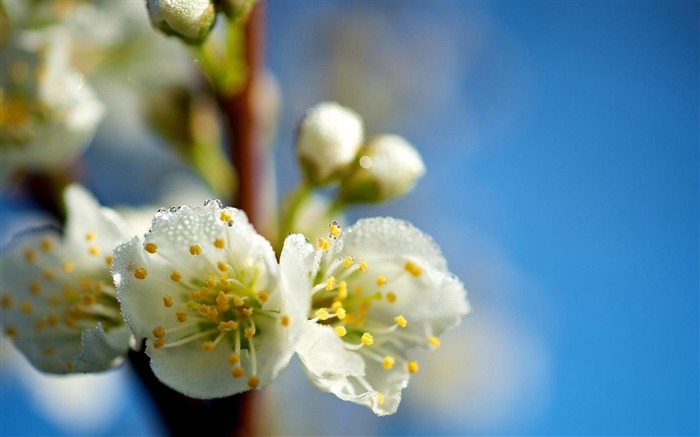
{"x": 561, "y": 146}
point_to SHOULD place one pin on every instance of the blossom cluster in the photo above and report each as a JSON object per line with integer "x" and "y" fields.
{"x": 218, "y": 313}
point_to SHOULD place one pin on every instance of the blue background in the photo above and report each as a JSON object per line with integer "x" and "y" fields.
{"x": 561, "y": 139}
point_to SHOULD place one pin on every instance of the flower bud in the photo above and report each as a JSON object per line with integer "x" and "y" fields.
{"x": 387, "y": 166}
{"x": 190, "y": 20}
{"x": 328, "y": 139}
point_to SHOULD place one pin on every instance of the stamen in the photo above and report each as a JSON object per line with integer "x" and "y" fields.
{"x": 90, "y": 235}
{"x": 348, "y": 261}
{"x": 195, "y": 249}
{"x": 225, "y": 216}
{"x": 380, "y": 397}
{"x": 151, "y": 247}
{"x": 222, "y": 266}
{"x": 108, "y": 260}
{"x": 391, "y": 297}
{"x": 94, "y": 250}
{"x": 324, "y": 243}
{"x": 342, "y": 290}
{"x": 181, "y": 316}
{"x": 263, "y": 296}
{"x": 208, "y": 345}
{"x": 46, "y": 244}
{"x": 284, "y": 320}
{"x": 249, "y": 332}
{"x": 367, "y": 339}
{"x": 413, "y": 366}
{"x": 159, "y": 332}
{"x": 363, "y": 265}
{"x": 167, "y": 301}
{"x": 434, "y": 341}
{"x": 34, "y": 287}
{"x": 413, "y": 268}
{"x": 388, "y": 362}
{"x": 334, "y": 229}
{"x": 6, "y": 300}
{"x": 26, "y": 307}
{"x": 322, "y": 314}
{"x": 401, "y": 321}
{"x": 233, "y": 358}
{"x": 253, "y": 381}
{"x": 238, "y": 301}
{"x": 30, "y": 255}
{"x": 340, "y": 313}
{"x": 381, "y": 280}
{"x": 219, "y": 243}
{"x": 340, "y": 330}
{"x": 248, "y": 311}
{"x": 222, "y": 301}
{"x": 176, "y": 276}
{"x": 140, "y": 273}
{"x": 68, "y": 266}
{"x": 330, "y": 283}
{"x": 49, "y": 274}
{"x": 237, "y": 372}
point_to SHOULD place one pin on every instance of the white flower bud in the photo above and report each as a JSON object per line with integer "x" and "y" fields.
{"x": 328, "y": 140}
{"x": 387, "y": 166}
{"x": 190, "y": 20}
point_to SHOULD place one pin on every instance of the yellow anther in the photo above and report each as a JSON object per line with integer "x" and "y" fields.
{"x": 233, "y": 358}
{"x": 340, "y": 330}
{"x": 363, "y": 265}
{"x": 413, "y": 366}
{"x": 39, "y": 325}
{"x": 381, "y": 280}
{"x": 167, "y": 301}
{"x": 69, "y": 365}
{"x": 195, "y": 249}
{"x": 340, "y": 313}
{"x": 208, "y": 345}
{"x": 225, "y": 216}
{"x": 30, "y": 255}
{"x": 196, "y": 294}
{"x": 219, "y": 243}
{"x": 358, "y": 290}
{"x": 330, "y": 283}
{"x": 284, "y": 320}
{"x": 158, "y": 332}
{"x": 335, "y": 229}
{"x": 222, "y": 266}
{"x": 413, "y": 268}
{"x": 26, "y": 307}
{"x": 248, "y": 311}
{"x": 249, "y": 332}
{"x": 336, "y": 304}
{"x": 401, "y": 321}
{"x": 94, "y": 250}
{"x": 176, "y": 276}
{"x": 348, "y": 261}
{"x": 48, "y": 351}
{"x": 322, "y": 313}
{"x": 181, "y": 315}
{"x": 205, "y": 292}
{"x": 222, "y": 301}
{"x": 434, "y": 341}
{"x": 380, "y": 397}
{"x": 90, "y": 235}
{"x": 70, "y": 321}
{"x": 253, "y": 381}
{"x": 52, "y": 319}
{"x": 238, "y": 301}
{"x": 46, "y": 244}
{"x": 6, "y": 300}
{"x": 49, "y": 274}
{"x": 342, "y": 290}
{"x": 68, "y": 266}
{"x": 263, "y": 296}
{"x": 229, "y": 324}
{"x": 211, "y": 281}
{"x": 388, "y": 362}
{"x": 109, "y": 259}
{"x": 140, "y": 273}
{"x": 88, "y": 298}
{"x": 367, "y": 339}
{"x": 158, "y": 343}
{"x": 35, "y": 287}
{"x": 237, "y": 372}
{"x": 151, "y": 247}
{"x": 324, "y": 243}
{"x": 10, "y": 331}
{"x": 391, "y": 297}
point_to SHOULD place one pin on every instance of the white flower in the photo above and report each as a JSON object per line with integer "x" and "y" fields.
{"x": 387, "y": 167}
{"x": 59, "y": 304}
{"x": 375, "y": 291}
{"x": 190, "y": 20}
{"x": 328, "y": 139}
{"x": 49, "y": 112}
{"x": 202, "y": 289}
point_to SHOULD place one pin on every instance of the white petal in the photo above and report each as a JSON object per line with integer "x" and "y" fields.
{"x": 326, "y": 361}
{"x": 100, "y": 349}
{"x": 296, "y": 263}
{"x": 390, "y": 238}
